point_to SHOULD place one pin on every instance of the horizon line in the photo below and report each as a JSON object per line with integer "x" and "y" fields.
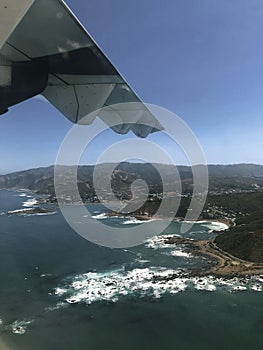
{"x": 6, "y": 172}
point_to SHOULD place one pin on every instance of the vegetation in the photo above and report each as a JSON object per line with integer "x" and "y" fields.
{"x": 235, "y": 193}
{"x": 245, "y": 240}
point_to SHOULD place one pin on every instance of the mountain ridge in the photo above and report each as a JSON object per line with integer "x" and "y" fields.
{"x": 226, "y": 176}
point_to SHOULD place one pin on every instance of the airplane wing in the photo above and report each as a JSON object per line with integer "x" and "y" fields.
{"x": 45, "y": 50}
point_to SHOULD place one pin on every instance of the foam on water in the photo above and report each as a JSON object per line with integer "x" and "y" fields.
{"x": 214, "y": 225}
{"x": 42, "y": 214}
{"x": 19, "y": 327}
{"x": 204, "y": 283}
{"x": 17, "y": 211}
{"x": 132, "y": 222}
{"x": 256, "y": 287}
{"x": 60, "y": 291}
{"x": 158, "y": 242}
{"x": 180, "y": 253}
{"x": 141, "y": 282}
{"x": 46, "y": 275}
{"x": 109, "y": 286}
{"x": 124, "y": 220}
{"x": 103, "y": 216}
{"x": 23, "y": 213}
{"x": 100, "y": 216}
{"x": 30, "y": 202}
{"x": 58, "y": 306}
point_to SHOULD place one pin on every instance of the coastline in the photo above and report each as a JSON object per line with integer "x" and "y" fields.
{"x": 222, "y": 264}
{"x": 146, "y": 217}
{"x": 228, "y": 264}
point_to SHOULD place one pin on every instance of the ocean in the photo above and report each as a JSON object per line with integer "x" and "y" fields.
{"x": 59, "y": 291}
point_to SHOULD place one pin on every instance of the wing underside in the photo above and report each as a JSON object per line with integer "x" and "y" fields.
{"x": 44, "y": 40}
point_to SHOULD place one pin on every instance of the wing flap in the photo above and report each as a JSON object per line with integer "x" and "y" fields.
{"x": 80, "y": 78}
{"x": 78, "y": 101}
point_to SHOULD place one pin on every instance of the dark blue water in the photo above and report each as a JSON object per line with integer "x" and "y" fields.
{"x": 115, "y": 304}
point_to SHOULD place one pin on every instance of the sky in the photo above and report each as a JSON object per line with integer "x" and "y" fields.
{"x": 202, "y": 60}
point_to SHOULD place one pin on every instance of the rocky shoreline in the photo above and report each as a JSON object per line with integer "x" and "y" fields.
{"x": 221, "y": 264}
{"x": 145, "y": 217}
{"x": 30, "y": 211}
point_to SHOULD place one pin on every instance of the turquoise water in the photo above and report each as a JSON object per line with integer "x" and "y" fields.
{"x": 59, "y": 291}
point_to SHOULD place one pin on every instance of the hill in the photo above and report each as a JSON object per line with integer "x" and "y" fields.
{"x": 235, "y": 193}
{"x": 237, "y": 177}
{"x": 245, "y": 240}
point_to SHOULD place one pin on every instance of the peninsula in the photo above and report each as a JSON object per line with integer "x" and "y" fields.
{"x": 235, "y": 197}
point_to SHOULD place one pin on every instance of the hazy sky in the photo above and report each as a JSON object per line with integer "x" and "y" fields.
{"x": 203, "y": 60}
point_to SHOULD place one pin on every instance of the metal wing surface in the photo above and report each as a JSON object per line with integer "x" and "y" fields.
{"x": 45, "y": 50}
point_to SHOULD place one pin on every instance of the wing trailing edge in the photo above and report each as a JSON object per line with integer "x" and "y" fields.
{"x": 45, "y": 50}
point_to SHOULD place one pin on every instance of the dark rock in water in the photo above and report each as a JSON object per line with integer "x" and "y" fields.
{"x": 31, "y": 211}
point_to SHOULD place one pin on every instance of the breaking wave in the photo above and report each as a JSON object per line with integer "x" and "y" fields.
{"x": 214, "y": 225}
{"x": 30, "y": 202}
{"x": 151, "y": 282}
{"x": 17, "y": 327}
{"x": 159, "y": 242}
